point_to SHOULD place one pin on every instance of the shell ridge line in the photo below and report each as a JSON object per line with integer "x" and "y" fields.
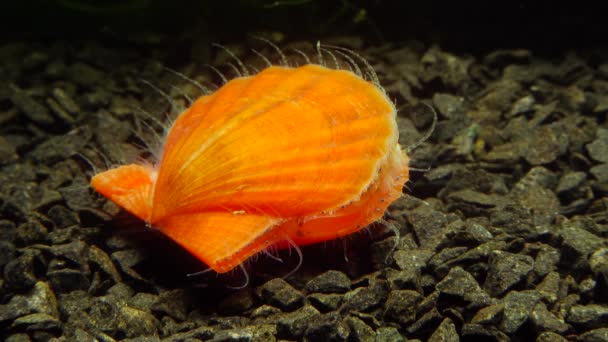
{"x": 302, "y": 97}
{"x": 390, "y": 140}
{"x": 233, "y": 122}
{"x": 234, "y": 139}
{"x": 230, "y": 124}
{"x": 297, "y": 167}
{"x": 372, "y": 174}
{"x": 274, "y": 173}
{"x": 184, "y": 137}
{"x": 158, "y": 164}
{"x": 174, "y": 175}
{"x": 218, "y": 134}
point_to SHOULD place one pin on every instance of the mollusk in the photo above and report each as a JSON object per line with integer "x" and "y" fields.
{"x": 303, "y": 155}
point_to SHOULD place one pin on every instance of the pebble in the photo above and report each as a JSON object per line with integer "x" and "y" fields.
{"x": 34, "y": 111}
{"x": 518, "y": 306}
{"x": 596, "y": 335}
{"x": 598, "y": 148}
{"x": 325, "y": 302}
{"x": 505, "y": 270}
{"x": 292, "y": 325}
{"x": 445, "y": 332}
{"x": 401, "y": 306}
{"x": 427, "y": 223}
{"x": 19, "y": 273}
{"x": 173, "y": 303}
{"x": 8, "y": 153}
{"x": 578, "y": 244}
{"x": 326, "y": 327}
{"x": 543, "y": 320}
{"x": 37, "y": 321}
{"x": 570, "y": 181}
{"x": 40, "y": 299}
{"x": 329, "y": 282}
{"x": 359, "y": 329}
{"x": 489, "y": 315}
{"x": 65, "y": 101}
{"x": 61, "y": 147}
{"x": 237, "y": 302}
{"x": 448, "y": 105}
{"x": 548, "y": 336}
{"x": 590, "y": 316}
{"x": 279, "y": 293}
{"x": 461, "y": 284}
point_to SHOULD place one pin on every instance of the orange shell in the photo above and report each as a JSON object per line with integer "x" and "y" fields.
{"x": 304, "y": 154}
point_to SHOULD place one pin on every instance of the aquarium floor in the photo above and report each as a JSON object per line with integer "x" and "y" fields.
{"x": 503, "y": 225}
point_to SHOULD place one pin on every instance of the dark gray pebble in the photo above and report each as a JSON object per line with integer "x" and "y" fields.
{"x": 36, "y": 112}
{"x": 233, "y": 335}
{"x": 85, "y": 75}
{"x": 103, "y": 261}
{"x": 448, "y": 105}
{"x": 144, "y": 301}
{"x": 439, "y": 262}
{"x": 65, "y": 101}
{"x": 478, "y": 332}
{"x": 415, "y": 259}
{"x": 67, "y": 280}
{"x": 326, "y": 327}
{"x": 598, "y": 149}
{"x": 490, "y": 315}
{"x": 20, "y": 273}
{"x": 401, "y": 306}
{"x": 408, "y": 278}
{"x": 325, "y": 302}
{"x": 329, "y": 282}
{"x": 280, "y": 293}
{"x": 119, "y": 320}
{"x": 460, "y": 284}
{"x": 30, "y": 233}
{"x": 600, "y": 172}
{"x": 364, "y": 298}
{"x": 590, "y": 316}
{"x": 126, "y": 259}
{"x": 389, "y": 334}
{"x": 471, "y": 234}
{"x": 548, "y": 336}
{"x": 21, "y": 337}
{"x": 548, "y": 288}
{"x": 359, "y": 330}
{"x": 173, "y": 303}
{"x": 427, "y": 222}
{"x": 596, "y": 335}
{"x": 543, "y": 320}
{"x": 505, "y": 271}
{"x": 61, "y": 147}
{"x": 62, "y": 216}
{"x": 578, "y": 244}
{"x": 203, "y": 333}
{"x": 8, "y": 153}
{"x": 37, "y": 321}
{"x": 7, "y": 252}
{"x": 445, "y": 332}
{"x": 518, "y": 307}
{"x": 426, "y": 323}
{"x": 569, "y": 181}
{"x": 40, "y": 299}
{"x": 237, "y": 302}
{"x": 293, "y": 325}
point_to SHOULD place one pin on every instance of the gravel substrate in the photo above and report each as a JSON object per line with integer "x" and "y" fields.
{"x": 503, "y": 229}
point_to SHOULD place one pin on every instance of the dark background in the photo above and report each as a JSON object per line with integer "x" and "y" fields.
{"x": 456, "y": 25}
